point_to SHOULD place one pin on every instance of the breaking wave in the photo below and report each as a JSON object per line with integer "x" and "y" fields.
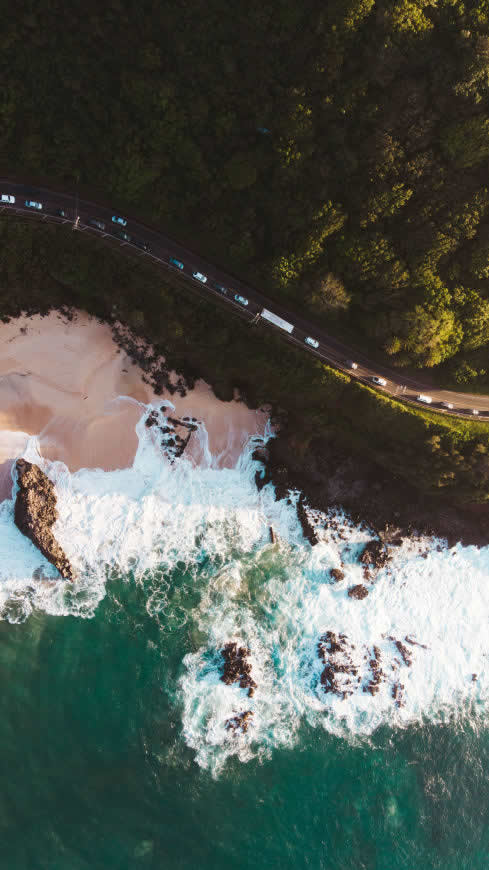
{"x": 416, "y": 646}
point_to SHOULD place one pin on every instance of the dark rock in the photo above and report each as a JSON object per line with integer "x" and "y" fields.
{"x": 398, "y": 694}
{"x": 307, "y": 528}
{"x": 239, "y": 722}
{"x": 35, "y": 513}
{"x": 375, "y": 555}
{"x": 336, "y": 574}
{"x": 339, "y": 671}
{"x": 237, "y": 668}
{"x": 358, "y": 591}
{"x": 405, "y": 653}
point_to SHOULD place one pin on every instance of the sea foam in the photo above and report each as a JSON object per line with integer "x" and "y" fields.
{"x": 277, "y": 600}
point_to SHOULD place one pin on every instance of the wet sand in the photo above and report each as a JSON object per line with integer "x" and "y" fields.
{"x": 69, "y": 383}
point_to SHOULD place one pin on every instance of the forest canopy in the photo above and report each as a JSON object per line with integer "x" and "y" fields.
{"x": 335, "y": 151}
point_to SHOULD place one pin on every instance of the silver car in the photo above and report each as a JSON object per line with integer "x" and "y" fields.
{"x": 6, "y": 197}
{"x": 200, "y": 277}
{"x": 312, "y": 342}
{"x": 31, "y": 203}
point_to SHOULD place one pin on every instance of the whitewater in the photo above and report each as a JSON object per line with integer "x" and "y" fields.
{"x": 167, "y": 514}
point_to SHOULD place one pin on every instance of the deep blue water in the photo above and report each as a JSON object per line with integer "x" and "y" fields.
{"x": 96, "y": 774}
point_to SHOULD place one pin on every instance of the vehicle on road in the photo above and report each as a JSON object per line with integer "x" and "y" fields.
{"x": 141, "y": 244}
{"x": 199, "y": 276}
{"x": 6, "y": 197}
{"x": 312, "y": 342}
{"x": 124, "y": 236}
{"x": 98, "y": 224}
{"x": 241, "y": 299}
{"x": 426, "y": 399}
{"x": 475, "y": 412}
{"x": 32, "y": 203}
{"x": 60, "y": 212}
{"x": 447, "y": 405}
{"x": 276, "y": 320}
{"x": 119, "y": 220}
{"x": 351, "y": 364}
{"x": 177, "y": 263}
{"x": 221, "y": 289}
{"x": 380, "y": 381}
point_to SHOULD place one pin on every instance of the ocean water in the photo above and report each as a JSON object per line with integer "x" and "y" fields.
{"x": 115, "y": 745}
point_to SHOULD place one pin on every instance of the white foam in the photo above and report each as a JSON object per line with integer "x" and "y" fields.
{"x": 276, "y": 599}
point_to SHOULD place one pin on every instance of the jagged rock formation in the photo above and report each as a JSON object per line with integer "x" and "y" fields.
{"x": 35, "y": 514}
{"x": 237, "y": 667}
{"x": 336, "y": 574}
{"x": 358, "y": 591}
{"x": 240, "y": 722}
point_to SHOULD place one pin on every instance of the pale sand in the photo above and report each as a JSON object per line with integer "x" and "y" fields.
{"x": 63, "y": 381}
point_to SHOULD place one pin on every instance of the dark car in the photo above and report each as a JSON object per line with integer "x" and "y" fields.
{"x": 61, "y": 212}
{"x": 98, "y": 224}
{"x": 142, "y": 244}
{"x": 124, "y": 236}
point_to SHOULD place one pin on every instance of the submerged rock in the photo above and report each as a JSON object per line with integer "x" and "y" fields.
{"x": 35, "y": 513}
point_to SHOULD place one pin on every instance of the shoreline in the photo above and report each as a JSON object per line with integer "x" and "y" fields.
{"x": 67, "y": 379}
{"x": 331, "y": 477}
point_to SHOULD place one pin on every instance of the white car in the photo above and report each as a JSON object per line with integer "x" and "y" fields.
{"x": 475, "y": 412}
{"x": 351, "y": 364}
{"x": 447, "y": 405}
{"x": 380, "y": 381}
{"x": 241, "y": 299}
{"x": 200, "y": 277}
{"x": 7, "y": 198}
{"x": 31, "y": 203}
{"x": 312, "y": 342}
{"x": 426, "y": 399}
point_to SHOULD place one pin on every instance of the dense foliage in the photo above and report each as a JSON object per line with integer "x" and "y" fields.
{"x": 337, "y": 150}
{"x": 43, "y": 266}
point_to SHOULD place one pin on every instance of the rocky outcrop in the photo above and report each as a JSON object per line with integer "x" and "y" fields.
{"x": 358, "y": 592}
{"x": 174, "y": 433}
{"x": 35, "y": 514}
{"x": 237, "y": 668}
{"x": 340, "y": 675}
{"x": 336, "y": 574}
{"x": 240, "y": 722}
{"x": 375, "y": 555}
{"x": 307, "y": 527}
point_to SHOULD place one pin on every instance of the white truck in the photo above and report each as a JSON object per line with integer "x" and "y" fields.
{"x": 276, "y": 320}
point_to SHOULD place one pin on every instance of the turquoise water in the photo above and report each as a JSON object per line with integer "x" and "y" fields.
{"x": 96, "y": 773}
{"x": 114, "y": 751}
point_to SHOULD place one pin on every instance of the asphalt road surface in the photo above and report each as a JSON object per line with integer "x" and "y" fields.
{"x": 155, "y": 245}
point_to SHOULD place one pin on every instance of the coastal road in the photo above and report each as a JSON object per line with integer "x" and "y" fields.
{"x": 152, "y": 244}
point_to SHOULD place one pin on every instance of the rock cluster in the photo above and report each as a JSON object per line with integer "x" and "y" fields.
{"x": 307, "y": 527}
{"x": 340, "y": 675}
{"x": 35, "y": 514}
{"x": 175, "y": 433}
{"x": 375, "y": 555}
{"x": 237, "y": 668}
{"x": 358, "y": 591}
{"x": 336, "y": 574}
{"x": 240, "y": 722}
{"x": 377, "y": 673}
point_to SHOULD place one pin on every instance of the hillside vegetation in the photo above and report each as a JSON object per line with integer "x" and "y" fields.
{"x": 42, "y": 266}
{"x": 335, "y": 150}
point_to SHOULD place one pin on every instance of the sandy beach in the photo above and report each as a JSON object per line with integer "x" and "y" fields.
{"x": 69, "y": 383}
